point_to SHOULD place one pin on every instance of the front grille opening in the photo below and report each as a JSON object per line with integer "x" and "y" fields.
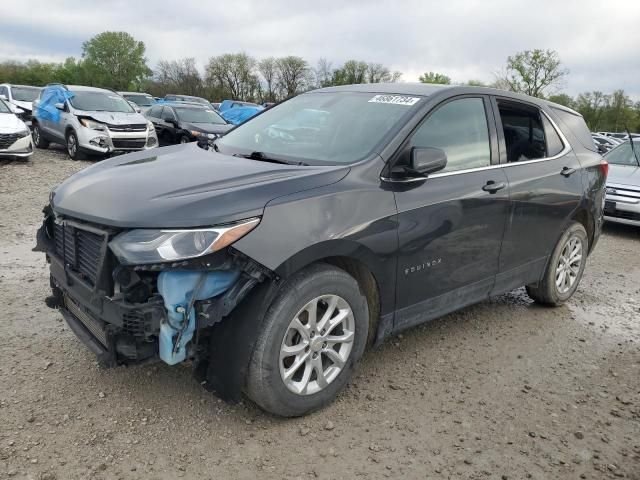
{"x": 80, "y": 250}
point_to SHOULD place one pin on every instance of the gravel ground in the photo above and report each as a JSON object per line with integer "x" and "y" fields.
{"x": 503, "y": 389}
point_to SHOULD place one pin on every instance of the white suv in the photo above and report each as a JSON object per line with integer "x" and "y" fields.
{"x": 89, "y": 120}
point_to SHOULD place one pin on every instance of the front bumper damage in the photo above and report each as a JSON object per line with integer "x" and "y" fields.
{"x": 116, "y": 139}
{"x": 130, "y": 315}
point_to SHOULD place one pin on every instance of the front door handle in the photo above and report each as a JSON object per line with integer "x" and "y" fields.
{"x": 493, "y": 187}
{"x": 567, "y": 171}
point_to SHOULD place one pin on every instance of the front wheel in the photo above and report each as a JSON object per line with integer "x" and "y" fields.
{"x": 564, "y": 270}
{"x": 38, "y": 138}
{"x": 313, "y": 334}
{"x": 73, "y": 148}
{"x": 185, "y": 139}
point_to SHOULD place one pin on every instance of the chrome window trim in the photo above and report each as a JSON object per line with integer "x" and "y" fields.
{"x": 567, "y": 148}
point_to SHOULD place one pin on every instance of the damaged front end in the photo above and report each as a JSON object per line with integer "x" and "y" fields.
{"x": 138, "y": 295}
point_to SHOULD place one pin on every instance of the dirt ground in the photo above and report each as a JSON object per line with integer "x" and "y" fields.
{"x": 503, "y": 389}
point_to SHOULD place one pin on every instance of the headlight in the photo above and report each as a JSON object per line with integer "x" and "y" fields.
{"x": 195, "y": 133}
{"x": 23, "y": 133}
{"x": 92, "y": 124}
{"x": 150, "y": 126}
{"x": 142, "y": 246}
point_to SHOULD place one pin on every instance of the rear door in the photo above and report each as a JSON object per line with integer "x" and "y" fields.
{"x": 545, "y": 179}
{"x": 451, "y": 225}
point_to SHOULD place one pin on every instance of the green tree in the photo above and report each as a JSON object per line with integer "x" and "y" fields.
{"x": 476, "y": 83}
{"x": 234, "y": 73}
{"x": 534, "y": 72}
{"x": 115, "y": 60}
{"x": 352, "y": 72}
{"x": 434, "y": 77}
{"x": 563, "y": 99}
{"x": 293, "y": 75}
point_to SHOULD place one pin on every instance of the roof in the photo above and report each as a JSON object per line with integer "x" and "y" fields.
{"x": 82, "y": 88}
{"x": 195, "y": 106}
{"x": 183, "y": 96}
{"x": 21, "y": 86}
{"x": 426, "y": 89}
{"x": 134, "y": 93}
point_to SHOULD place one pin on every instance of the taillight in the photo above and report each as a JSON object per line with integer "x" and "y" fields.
{"x": 604, "y": 168}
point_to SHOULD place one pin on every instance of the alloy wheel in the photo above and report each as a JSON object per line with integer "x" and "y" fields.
{"x": 569, "y": 264}
{"x": 72, "y": 145}
{"x": 317, "y": 345}
{"x": 36, "y": 135}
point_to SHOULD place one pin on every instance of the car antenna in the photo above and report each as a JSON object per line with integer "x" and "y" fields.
{"x": 633, "y": 149}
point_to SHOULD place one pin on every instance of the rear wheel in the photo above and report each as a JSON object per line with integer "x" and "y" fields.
{"x": 73, "y": 148}
{"x": 564, "y": 270}
{"x": 313, "y": 334}
{"x": 38, "y": 138}
{"x": 184, "y": 139}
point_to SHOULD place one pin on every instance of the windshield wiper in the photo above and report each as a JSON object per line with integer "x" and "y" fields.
{"x": 265, "y": 158}
{"x": 633, "y": 148}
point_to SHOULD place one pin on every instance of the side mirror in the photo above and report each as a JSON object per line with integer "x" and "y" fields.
{"x": 425, "y": 161}
{"x": 59, "y": 106}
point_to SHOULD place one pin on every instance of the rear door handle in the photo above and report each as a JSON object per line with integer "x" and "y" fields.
{"x": 567, "y": 171}
{"x": 493, "y": 187}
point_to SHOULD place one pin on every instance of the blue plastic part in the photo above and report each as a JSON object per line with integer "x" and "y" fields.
{"x": 237, "y": 115}
{"x": 177, "y": 289}
{"x": 46, "y": 108}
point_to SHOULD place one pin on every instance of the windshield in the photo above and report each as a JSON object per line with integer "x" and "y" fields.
{"x": 3, "y": 107}
{"x": 322, "y": 128}
{"x": 199, "y": 115}
{"x": 141, "y": 100}
{"x": 100, "y": 102}
{"x": 25, "y": 94}
{"x": 623, "y": 155}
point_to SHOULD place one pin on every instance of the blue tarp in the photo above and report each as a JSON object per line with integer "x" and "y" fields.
{"x": 238, "y": 115}
{"x": 46, "y": 108}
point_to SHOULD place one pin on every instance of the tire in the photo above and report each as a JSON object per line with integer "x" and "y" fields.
{"x": 318, "y": 285}
{"x": 38, "y": 138}
{"x": 184, "y": 139}
{"x": 73, "y": 148}
{"x": 547, "y": 291}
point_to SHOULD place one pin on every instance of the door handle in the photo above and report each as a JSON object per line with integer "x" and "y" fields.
{"x": 493, "y": 187}
{"x": 567, "y": 171}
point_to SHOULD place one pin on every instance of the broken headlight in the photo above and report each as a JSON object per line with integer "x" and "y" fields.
{"x": 93, "y": 125}
{"x": 142, "y": 246}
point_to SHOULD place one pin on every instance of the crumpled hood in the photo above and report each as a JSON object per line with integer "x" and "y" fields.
{"x": 28, "y": 106}
{"x": 114, "y": 118}
{"x": 181, "y": 186}
{"x": 9, "y": 123}
{"x": 624, "y": 175}
{"x": 207, "y": 127}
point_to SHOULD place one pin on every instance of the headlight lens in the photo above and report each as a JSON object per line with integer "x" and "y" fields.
{"x": 24, "y": 133}
{"x": 92, "y": 124}
{"x": 150, "y": 126}
{"x": 195, "y": 133}
{"x": 143, "y": 246}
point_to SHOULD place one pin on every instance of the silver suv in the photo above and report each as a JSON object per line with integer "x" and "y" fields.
{"x": 89, "y": 120}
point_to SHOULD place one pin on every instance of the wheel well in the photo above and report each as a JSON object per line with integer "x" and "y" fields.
{"x": 368, "y": 286}
{"x": 583, "y": 217}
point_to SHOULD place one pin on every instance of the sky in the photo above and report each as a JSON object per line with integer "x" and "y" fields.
{"x": 598, "y": 41}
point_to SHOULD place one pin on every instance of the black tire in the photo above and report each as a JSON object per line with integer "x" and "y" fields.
{"x": 265, "y": 385}
{"x": 38, "y": 138}
{"x": 74, "y": 153}
{"x": 185, "y": 139}
{"x": 546, "y": 291}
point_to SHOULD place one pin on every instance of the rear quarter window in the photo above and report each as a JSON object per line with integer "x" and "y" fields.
{"x": 576, "y": 126}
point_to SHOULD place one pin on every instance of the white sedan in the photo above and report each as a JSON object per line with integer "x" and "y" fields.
{"x": 15, "y": 136}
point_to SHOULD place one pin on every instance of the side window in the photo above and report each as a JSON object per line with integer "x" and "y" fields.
{"x": 155, "y": 112}
{"x": 460, "y": 129}
{"x": 523, "y": 132}
{"x": 554, "y": 143}
{"x": 167, "y": 114}
{"x": 3, "y": 91}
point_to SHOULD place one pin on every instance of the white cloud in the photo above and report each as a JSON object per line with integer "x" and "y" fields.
{"x": 462, "y": 38}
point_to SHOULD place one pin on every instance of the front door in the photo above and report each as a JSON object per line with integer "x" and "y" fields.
{"x": 451, "y": 225}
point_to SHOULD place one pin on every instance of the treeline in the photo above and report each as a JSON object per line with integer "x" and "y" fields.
{"x": 609, "y": 112}
{"x": 116, "y": 60}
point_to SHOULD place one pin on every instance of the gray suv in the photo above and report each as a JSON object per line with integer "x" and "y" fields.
{"x": 89, "y": 120}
